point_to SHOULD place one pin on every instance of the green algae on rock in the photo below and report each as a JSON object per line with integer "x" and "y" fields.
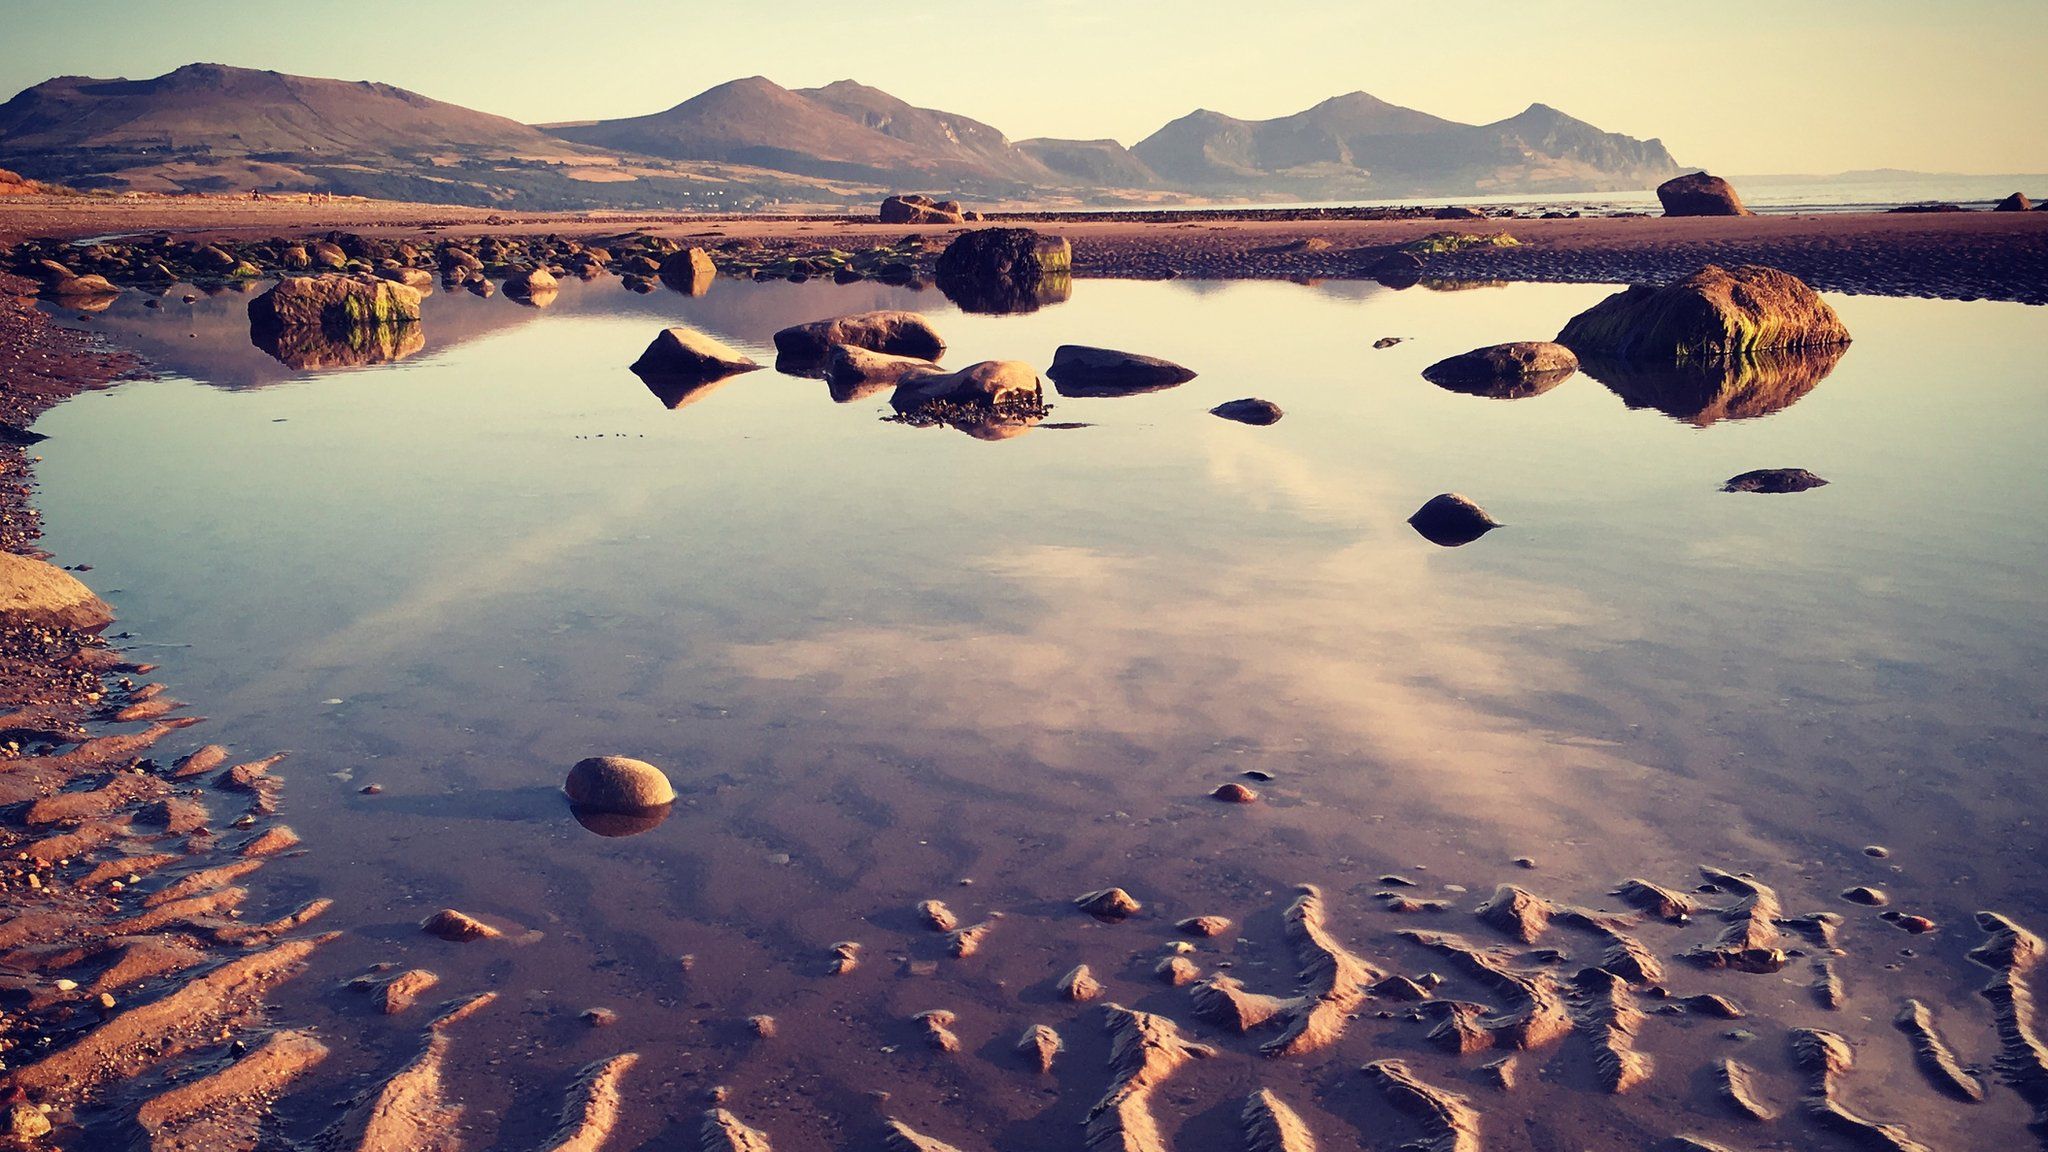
{"x": 1715, "y": 312}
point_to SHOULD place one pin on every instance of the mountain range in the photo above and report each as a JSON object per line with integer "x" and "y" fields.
{"x": 750, "y": 142}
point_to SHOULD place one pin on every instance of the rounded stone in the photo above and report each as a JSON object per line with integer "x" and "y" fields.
{"x": 617, "y": 784}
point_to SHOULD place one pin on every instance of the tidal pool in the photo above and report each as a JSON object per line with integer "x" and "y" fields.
{"x": 883, "y": 664}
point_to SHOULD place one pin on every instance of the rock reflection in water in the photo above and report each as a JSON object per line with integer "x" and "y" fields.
{"x": 1731, "y": 388}
{"x": 1007, "y": 297}
{"x": 682, "y": 391}
{"x": 613, "y": 825}
{"x": 310, "y": 348}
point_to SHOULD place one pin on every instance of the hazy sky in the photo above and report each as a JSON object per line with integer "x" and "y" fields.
{"x": 1739, "y": 86}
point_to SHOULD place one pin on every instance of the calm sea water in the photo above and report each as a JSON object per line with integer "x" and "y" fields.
{"x": 884, "y": 663}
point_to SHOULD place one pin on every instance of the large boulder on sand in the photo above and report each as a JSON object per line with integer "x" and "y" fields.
{"x": 1005, "y": 269}
{"x": 920, "y": 210}
{"x": 1698, "y": 194}
{"x": 32, "y": 592}
{"x": 1713, "y": 312}
{"x": 2017, "y": 202}
{"x": 1505, "y": 371}
{"x": 987, "y": 384}
{"x": 686, "y": 354}
{"x": 898, "y": 333}
{"x": 617, "y": 784}
{"x": 1078, "y": 370}
{"x": 334, "y": 303}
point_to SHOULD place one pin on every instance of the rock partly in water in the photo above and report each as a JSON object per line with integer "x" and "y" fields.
{"x": 1250, "y": 410}
{"x": 1079, "y": 370}
{"x": 617, "y": 784}
{"x": 71, "y": 288}
{"x": 689, "y": 271}
{"x": 683, "y": 355}
{"x": 1003, "y": 270}
{"x": 1451, "y": 520}
{"x": 333, "y": 304}
{"x": 1773, "y": 480}
{"x": 1108, "y": 904}
{"x": 32, "y": 592}
{"x": 991, "y": 383}
{"x": 1715, "y": 312}
{"x": 1505, "y": 371}
{"x": 530, "y": 282}
{"x": 853, "y": 373}
{"x": 897, "y": 333}
{"x": 1698, "y": 194}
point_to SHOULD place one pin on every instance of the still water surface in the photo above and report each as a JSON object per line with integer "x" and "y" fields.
{"x": 880, "y": 662}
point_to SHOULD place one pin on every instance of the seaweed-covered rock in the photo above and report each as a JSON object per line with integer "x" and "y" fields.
{"x": 32, "y": 592}
{"x": 991, "y": 383}
{"x": 1505, "y": 371}
{"x": 894, "y": 332}
{"x": 1714, "y": 312}
{"x": 334, "y": 303}
{"x": 1698, "y": 194}
{"x": 1006, "y": 270}
{"x": 1079, "y": 370}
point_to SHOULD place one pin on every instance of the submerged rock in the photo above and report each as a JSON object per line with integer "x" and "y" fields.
{"x": 1699, "y": 194}
{"x": 1773, "y": 480}
{"x": 617, "y": 784}
{"x": 1452, "y": 521}
{"x": 1505, "y": 371}
{"x": 1079, "y": 370}
{"x": 1250, "y": 410}
{"x": 33, "y": 592}
{"x": 1712, "y": 313}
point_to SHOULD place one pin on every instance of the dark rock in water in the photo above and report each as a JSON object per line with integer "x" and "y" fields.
{"x": 854, "y": 373}
{"x": 1712, "y": 313}
{"x": 1505, "y": 371}
{"x": 1699, "y": 194}
{"x": 1931, "y": 208}
{"x": 1702, "y": 392}
{"x": 1250, "y": 410}
{"x": 2017, "y": 202}
{"x": 1452, "y": 521}
{"x": 689, "y": 271}
{"x": 1386, "y": 342}
{"x": 617, "y": 784}
{"x": 992, "y": 383}
{"x": 1078, "y": 370}
{"x": 1398, "y": 270}
{"x": 897, "y": 333}
{"x": 683, "y": 355}
{"x": 1002, "y": 270}
{"x": 1774, "y": 480}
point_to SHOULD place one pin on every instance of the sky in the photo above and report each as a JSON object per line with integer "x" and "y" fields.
{"x": 1740, "y": 86}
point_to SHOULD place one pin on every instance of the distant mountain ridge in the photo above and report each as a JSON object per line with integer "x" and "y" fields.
{"x": 749, "y": 142}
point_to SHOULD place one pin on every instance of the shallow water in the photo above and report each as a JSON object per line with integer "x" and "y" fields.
{"x": 881, "y": 661}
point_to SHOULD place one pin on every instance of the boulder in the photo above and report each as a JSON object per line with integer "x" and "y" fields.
{"x": 418, "y": 279}
{"x": 2017, "y": 202}
{"x": 898, "y": 333}
{"x": 1458, "y": 212}
{"x": 1712, "y": 313}
{"x": 530, "y": 282}
{"x": 33, "y": 592}
{"x": 617, "y": 784}
{"x": 681, "y": 353}
{"x": 689, "y": 271}
{"x": 987, "y": 384}
{"x": 1250, "y": 410}
{"x": 1006, "y": 270}
{"x": 334, "y": 303}
{"x": 1398, "y": 269}
{"x": 853, "y": 373}
{"x": 920, "y": 210}
{"x": 83, "y": 286}
{"x": 1505, "y": 371}
{"x": 1451, "y": 520}
{"x": 1773, "y": 480}
{"x": 458, "y": 263}
{"x": 1698, "y": 194}
{"x": 326, "y": 255}
{"x": 1079, "y": 370}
